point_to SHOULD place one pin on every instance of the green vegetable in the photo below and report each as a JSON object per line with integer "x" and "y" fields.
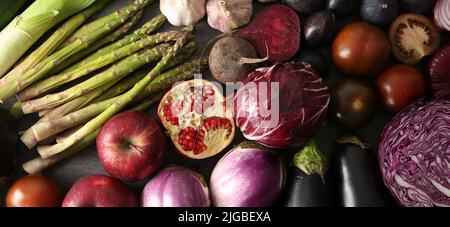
{"x": 29, "y": 26}
{"x": 10, "y": 8}
{"x": 102, "y": 42}
{"x": 42, "y": 69}
{"x": 51, "y": 126}
{"x": 120, "y": 70}
{"x": 85, "y": 67}
{"x": 116, "y": 72}
{"x": 39, "y": 164}
{"x": 49, "y": 46}
{"x": 119, "y": 104}
{"x": 149, "y": 102}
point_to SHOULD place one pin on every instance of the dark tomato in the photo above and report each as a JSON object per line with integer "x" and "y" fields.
{"x": 34, "y": 191}
{"x": 352, "y": 103}
{"x": 361, "y": 49}
{"x": 399, "y": 86}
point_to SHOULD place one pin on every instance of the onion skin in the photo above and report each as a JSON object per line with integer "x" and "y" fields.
{"x": 439, "y": 73}
{"x": 414, "y": 155}
{"x": 442, "y": 15}
{"x": 176, "y": 187}
{"x": 247, "y": 176}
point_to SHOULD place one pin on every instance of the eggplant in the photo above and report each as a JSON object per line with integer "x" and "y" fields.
{"x": 305, "y": 186}
{"x": 354, "y": 178}
{"x": 10, "y": 143}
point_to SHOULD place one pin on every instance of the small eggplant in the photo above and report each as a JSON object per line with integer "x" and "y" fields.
{"x": 305, "y": 185}
{"x": 354, "y": 178}
{"x": 9, "y": 142}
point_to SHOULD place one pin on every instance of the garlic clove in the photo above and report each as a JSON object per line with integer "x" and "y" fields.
{"x": 183, "y": 12}
{"x": 227, "y": 15}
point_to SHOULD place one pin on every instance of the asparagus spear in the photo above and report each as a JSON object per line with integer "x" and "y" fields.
{"x": 148, "y": 102}
{"x": 100, "y": 43}
{"x": 145, "y": 30}
{"x": 91, "y": 27}
{"x": 41, "y": 70}
{"x": 117, "y": 71}
{"x": 85, "y": 67}
{"x": 49, "y": 46}
{"x": 39, "y": 164}
{"x": 49, "y": 127}
{"x": 119, "y": 104}
{"x": 123, "y": 86}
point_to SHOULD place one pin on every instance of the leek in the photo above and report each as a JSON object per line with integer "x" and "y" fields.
{"x": 28, "y": 27}
{"x": 9, "y": 9}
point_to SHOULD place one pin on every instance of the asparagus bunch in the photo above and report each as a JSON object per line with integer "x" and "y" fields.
{"x": 124, "y": 29}
{"x": 100, "y": 59}
{"x": 114, "y": 73}
{"x": 50, "y": 45}
{"x": 145, "y": 30}
{"x": 8, "y": 89}
{"x": 49, "y": 128}
{"x": 89, "y": 65}
{"x": 119, "y": 104}
{"x": 165, "y": 80}
{"x": 118, "y": 71}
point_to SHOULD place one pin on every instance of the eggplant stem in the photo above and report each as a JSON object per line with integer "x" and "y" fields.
{"x": 353, "y": 140}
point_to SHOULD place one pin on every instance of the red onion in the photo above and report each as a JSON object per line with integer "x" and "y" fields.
{"x": 247, "y": 176}
{"x": 176, "y": 187}
{"x": 442, "y": 14}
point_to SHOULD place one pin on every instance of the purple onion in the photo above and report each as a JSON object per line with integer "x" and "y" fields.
{"x": 414, "y": 155}
{"x": 176, "y": 187}
{"x": 247, "y": 176}
{"x": 442, "y": 15}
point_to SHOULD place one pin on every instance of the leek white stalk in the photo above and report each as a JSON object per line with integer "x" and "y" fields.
{"x": 28, "y": 27}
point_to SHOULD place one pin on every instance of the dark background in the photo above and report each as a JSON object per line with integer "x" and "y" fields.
{"x": 86, "y": 162}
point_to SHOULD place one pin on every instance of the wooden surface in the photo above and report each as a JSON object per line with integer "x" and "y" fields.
{"x": 85, "y": 163}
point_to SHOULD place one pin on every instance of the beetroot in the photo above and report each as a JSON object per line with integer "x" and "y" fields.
{"x": 439, "y": 73}
{"x": 277, "y": 27}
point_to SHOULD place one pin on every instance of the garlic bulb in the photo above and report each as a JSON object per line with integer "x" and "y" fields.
{"x": 183, "y": 12}
{"x": 226, "y": 15}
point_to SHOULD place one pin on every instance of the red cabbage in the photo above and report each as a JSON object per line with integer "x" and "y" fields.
{"x": 414, "y": 155}
{"x": 302, "y": 100}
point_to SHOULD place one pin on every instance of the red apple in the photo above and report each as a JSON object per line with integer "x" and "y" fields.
{"x": 131, "y": 146}
{"x": 100, "y": 191}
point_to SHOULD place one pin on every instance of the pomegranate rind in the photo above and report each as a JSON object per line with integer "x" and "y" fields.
{"x": 216, "y": 140}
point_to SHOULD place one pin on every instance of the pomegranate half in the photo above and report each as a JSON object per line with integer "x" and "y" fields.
{"x": 195, "y": 116}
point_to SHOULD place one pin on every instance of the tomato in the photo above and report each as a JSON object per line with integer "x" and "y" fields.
{"x": 352, "y": 103}
{"x": 361, "y": 49}
{"x": 399, "y": 86}
{"x": 34, "y": 191}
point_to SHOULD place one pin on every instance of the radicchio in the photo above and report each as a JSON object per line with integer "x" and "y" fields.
{"x": 294, "y": 89}
{"x": 414, "y": 155}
